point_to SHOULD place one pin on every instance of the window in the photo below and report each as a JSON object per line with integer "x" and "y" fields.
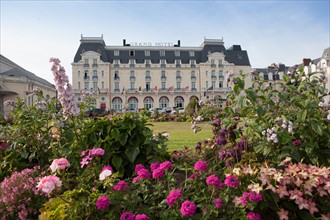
{"x": 102, "y": 73}
{"x": 213, "y": 73}
{"x": 207, "y": 84}
{"x": 86, "y": 85}
{"x": 193, "y": 62}
{"x": 191, "y": 53}
{"x": 116, "y": 86}
{"x": 147, "y": 86}
{"x": 193, "y": 74}
{"x": 148, "y": 103}
{"x": 220, "y": 84}
{"x": 147, "y": 73}
{"x": 163, "y": 74}
{"x": 95, "y": 73}
{"x": 193, "y": 86}
{"x": 86, "y": 61}
{"x": 179, "y": 102}
{"x": 116, "y": 75}
{"x": 162, "y": 62}
{"x": 220, "y": 74}
{"x": 78, "y": 73}
{"x": 162, "y": 53}
{"x": 116, "y": 53}
{"x": 148, "y": 62}
{"x": 147, "y": 53}
{"x": 177, "y": 53}
{"x": 131, "y": 61}
{"x": 163, "y": 102}
{"x": 116, "y": 62}
{"x": 132, "y": 86}
{"x": 206, "y": 73}
{"x": 131, "y": 53}
{"x": 133, "y": 103}
{"x": 117, "y": 104}
{"x": 94, "y": 61}
{"x": 86, "y": 74}
{"x": 178, "y": 85}
{"x": 213, "y": 84}
{"x": 78, "y": 85}
{"x": 132, "y": 72}
{"x": 102, "y": 85}
{"x": 163, "y": 86}
{"x": 95, "y": 86}
{"x": 178, "y": 74}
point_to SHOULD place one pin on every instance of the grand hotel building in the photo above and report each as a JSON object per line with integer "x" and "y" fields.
{"x": 146, "y": 75}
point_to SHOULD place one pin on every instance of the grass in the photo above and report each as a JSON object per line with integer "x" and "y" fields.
{"x": 181, "y": 134}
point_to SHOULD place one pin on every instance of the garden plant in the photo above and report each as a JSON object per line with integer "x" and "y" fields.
{"x": 268, "y": 158}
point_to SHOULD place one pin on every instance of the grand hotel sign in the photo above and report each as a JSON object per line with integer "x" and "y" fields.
{"x": 150, "y": 44}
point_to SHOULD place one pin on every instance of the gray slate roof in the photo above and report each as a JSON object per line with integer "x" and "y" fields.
{"x": 233, "y": 54}
{"x": 20, "y": 72}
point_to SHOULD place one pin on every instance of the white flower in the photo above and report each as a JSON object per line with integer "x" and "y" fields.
{"x": 263, "y": 132}
{"x": 255, "y": 187}
{"x": 328, "y": 117}
{"x": 104, "y": 174}
{"x": 293, "y": 80}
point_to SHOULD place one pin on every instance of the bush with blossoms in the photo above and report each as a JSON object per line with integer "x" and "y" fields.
{"x": 267, "y": 159}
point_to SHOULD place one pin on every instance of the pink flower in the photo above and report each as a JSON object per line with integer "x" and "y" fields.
{"x": 102, "y": 203}
{"x": 158, "y": 173}
{"x": 127, "y": 216}
{"x": 283, "y": 214}
{"x": 141, "y": 217}
{"x": 173, "y": 196}
{"x": 200, "y": 166}
{"x": 218, "y": 203}
{"x": 231, "y": 181}
{"x": 165, "y": 165}
{"x": 194, "y": 176}
{"x": 96, "y": 152}
{"x": 106, "y": 171}
{"x": 312, "y": 206}
{"x": 154, "y": 166}
{"x": 121, "y": 185}
{"x": 188, "y": 208}
{"x": 213, "y": 180}
{"x": 60, "y": 164}
{"x": 144, "y": 174}
{"x": 281, "y": 191}
{"x": 48, "y": 183}
{"x": 255, "y": 197}
{"x": 296, "y": 142}
{"x": 253, "y": 216}
{"x": 138, "y": 167}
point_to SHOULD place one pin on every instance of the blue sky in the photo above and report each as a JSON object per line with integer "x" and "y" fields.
{"x": 271, "y": 31}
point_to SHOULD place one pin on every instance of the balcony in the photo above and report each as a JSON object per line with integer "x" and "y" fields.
{"x": 132, "y": 78}
{"x": 163, "y": 78}
{"x": 116, "y": 78}
{"x": 220, "y": 65}
{"x": 193, "y": 77}
{"x": 221, "y": 77}
{"x": 94, "y": 65}
{"x": 178, "y": 77}
{"x": 148, "y": 78}
{"x": 213, "y": 65}
{"x": 86, "y": 65}
{"x": 213, "y": 77}
{"x": 116, "y": 90}
{"x": 86, "y": 77}
{"x": 95, "y": 77}
{"x": 193, "y": 89}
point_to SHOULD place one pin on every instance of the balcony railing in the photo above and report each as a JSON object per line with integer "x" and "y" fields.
{"x": 86, "y": 65}
{"x": 178, "y": 77}
{"x": 86, "y": 77}
{"x": 163, "y": 77}
{"x": 132, "y": 78}
{"x": 220, "y": 65}
{"x": 213, "y": 65}
{"x": 193, "y": 89}
{"x": 148, "y": 77}
{"x": 95, "y": 77}
{"x": 116, "y": 90}
{"x": 221, "y": 77}
{"x": 94, "y": 65}
{"x": 116, "y": 78}
{"x": 214, "y": 77}
{"x": 193, "y": 77}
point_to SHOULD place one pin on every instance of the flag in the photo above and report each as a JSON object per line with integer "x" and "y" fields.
{"x": 99, "y": 90}
{"x": 185, "y": 88}
{"x": 211, "y": 88}
{"x": 170, "y": 88}
{"x": 122, "y": 92}
{"x": 140, "y": 88}
{"x": 106, "y": 91}
{"x": 154, "y": 89}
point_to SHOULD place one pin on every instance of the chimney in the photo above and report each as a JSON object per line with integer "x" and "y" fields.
{"x": 124, "y": 42}
{"x": 306, "y": 61}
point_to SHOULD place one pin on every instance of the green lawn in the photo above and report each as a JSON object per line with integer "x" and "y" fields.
{"x": 181, "y": 134}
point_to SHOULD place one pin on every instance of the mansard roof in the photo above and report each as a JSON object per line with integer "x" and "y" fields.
{"x": 233, "y": 54}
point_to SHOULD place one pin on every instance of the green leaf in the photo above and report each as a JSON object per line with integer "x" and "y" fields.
{"x": 132, "y": 153}
{"x": 251, "y": 95}
{"x": 283, "y": 96}
{"x": 236, "y": 89}
{"x": 117, "y": 161}
{"x": 301, "y": 116}
{"x": 260, "y": 111}
{"x": 317, "y": 128}
{"x": 123, "y": 138}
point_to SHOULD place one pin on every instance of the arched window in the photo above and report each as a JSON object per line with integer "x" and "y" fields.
{"x": 194, "y": 97}
{"x": 133, "y": 103}
{"x": 148, "y": 103}
{"x": 163, "y": 102}
{"x": 117, "y": 104}
{"x": 179, "y": 102}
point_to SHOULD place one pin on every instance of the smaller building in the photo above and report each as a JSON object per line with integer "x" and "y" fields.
{"x": 15, "y": 82}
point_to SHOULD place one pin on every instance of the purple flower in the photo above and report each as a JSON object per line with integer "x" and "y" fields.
{"x": 231, "y": 181}
{"x": 221, "y": 140}
{"x": 188, "y": 208}
{"x": 158, "y": 173}
{"x": 217, "y": 203}
{"x": 173, "y": 196}
{"x": 138, "y": 167}
{"x": 200, "y": 166}
{"x": 102, "y": 203}
{"x": 165, "y": 165}
{"x": 141, "y": 217}
{"x": 213, "y": 180}
{"x": 253, "y": 216}
{"x": 121, "y": 185}
{"x": 154, "y": 166}
{"x": 255, "y": 197}
{"x": 127, "y": 216}
{"x": 193, "y": 176}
